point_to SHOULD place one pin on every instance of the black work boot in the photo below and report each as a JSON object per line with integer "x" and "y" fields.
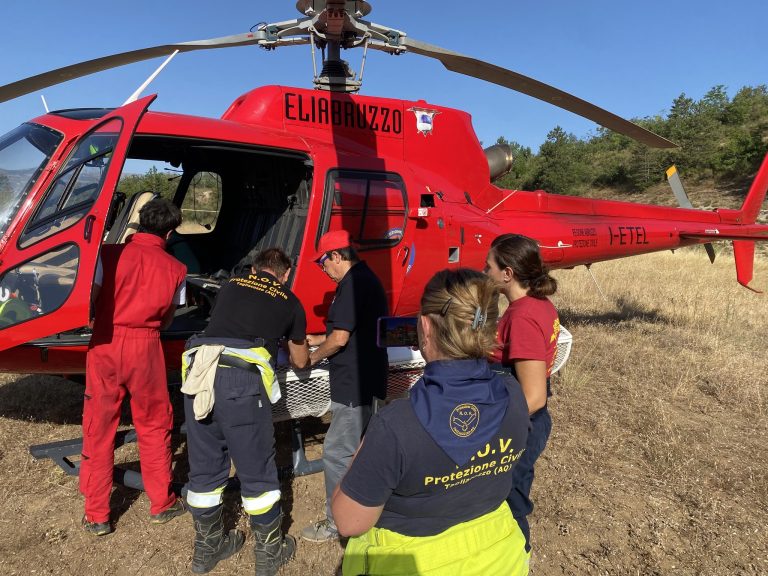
{"x": 271, "y": 548}
{"x": 211, "y": 544}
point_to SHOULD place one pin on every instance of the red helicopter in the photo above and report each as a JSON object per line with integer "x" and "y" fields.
{"x": 282, "y": 166}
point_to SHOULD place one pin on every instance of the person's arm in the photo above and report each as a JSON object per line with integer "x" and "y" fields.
{"x": 179, "y": 299}
{"x": 532, "y": 375}
{"x": 95, "y": 291}
{"x": 374, "y": 473}
{"x": 352, "y": 518}
{"x": 334, "y": 342}
{"x": 168, "y": 317}
{"x": 298, "y": 352}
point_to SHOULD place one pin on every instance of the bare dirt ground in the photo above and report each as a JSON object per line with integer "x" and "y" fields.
{"x": 658, "y": 462}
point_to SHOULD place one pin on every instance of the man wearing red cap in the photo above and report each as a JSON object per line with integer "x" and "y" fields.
{"x": 358, "y": 367}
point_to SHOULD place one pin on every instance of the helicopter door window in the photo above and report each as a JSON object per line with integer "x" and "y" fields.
{"x": 24, "y": 152}
{"x": 76, "y": 187}
{"x": 38, "y": 286}
{"x": 201, "y": 204}
{"x": 372, "y": 207}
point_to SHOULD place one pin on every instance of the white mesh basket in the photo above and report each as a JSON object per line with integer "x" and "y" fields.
{"x": 307, "y": 392}
{"x": 564, "y": 342}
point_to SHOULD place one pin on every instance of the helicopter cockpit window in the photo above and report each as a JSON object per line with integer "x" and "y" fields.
{"x": 201, "y": 204}
{"x": 76, "y": 187}
{"x": 38, "y": 286}
{"x": 24, "y": 152}
{"x": 372, "y": 207}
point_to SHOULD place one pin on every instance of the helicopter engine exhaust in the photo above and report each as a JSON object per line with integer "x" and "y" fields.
{"x": 500, "y": 160}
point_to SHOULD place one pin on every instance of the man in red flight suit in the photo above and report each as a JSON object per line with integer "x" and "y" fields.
{"x": 136, "y": 290}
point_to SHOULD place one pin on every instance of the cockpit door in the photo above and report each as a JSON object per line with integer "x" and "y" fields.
{"x": 47, "y": 268}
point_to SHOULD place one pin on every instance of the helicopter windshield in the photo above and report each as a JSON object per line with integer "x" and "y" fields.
{"x": 24, "y": 152}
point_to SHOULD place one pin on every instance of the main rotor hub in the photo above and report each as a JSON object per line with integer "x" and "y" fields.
{"x": 355, "y": 8}
{"x": 333, "y": 25}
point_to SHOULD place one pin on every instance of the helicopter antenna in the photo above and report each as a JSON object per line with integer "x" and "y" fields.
{"x": 589, "y": 269}
{"x": 45, "y": 104}
{"x": 507, "y": 197}
{"x": 133, "y": 97}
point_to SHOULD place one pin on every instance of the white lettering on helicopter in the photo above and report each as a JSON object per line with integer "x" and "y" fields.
{"x": 344, "y": 114}
{"x": 5, "y": 294}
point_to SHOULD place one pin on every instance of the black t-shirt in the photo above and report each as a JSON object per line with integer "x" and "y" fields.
{"x": 253, "y": 306}
{"x": 423, "y": 491}
{"x": 359, "y": 370}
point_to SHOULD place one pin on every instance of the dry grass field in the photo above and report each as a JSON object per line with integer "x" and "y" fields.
{"x": 658, "y": 462}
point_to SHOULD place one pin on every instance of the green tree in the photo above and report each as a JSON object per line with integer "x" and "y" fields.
{"x": 562, "y": 168}
{"x": 522, "y": 166}
{"x": 153, "y": 180}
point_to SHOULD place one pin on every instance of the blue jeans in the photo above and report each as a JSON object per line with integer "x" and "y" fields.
{"x": 522, "y": 475}
{"x": 341, "y": 441}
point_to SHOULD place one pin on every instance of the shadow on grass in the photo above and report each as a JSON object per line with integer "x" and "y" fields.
{"x": 625, "y": 311}
{"x": 42, "y": 398}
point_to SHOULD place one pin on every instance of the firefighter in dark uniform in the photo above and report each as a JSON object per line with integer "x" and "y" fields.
{"x": 229, "y": 387}
{"x": 358, "y": 367}
{"x": 136, "y": 290}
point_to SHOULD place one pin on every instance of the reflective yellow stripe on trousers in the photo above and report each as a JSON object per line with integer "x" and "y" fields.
{"x": 255, "y": 505}
{"x": 205, "y": 499}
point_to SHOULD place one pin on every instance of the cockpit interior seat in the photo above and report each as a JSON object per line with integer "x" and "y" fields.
{"x": 127, "y": 221}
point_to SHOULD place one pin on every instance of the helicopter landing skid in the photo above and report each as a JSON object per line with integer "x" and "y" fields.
{"x": 61, "y": 453}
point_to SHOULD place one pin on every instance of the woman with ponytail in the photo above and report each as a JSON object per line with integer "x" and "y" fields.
{"x": 426, "y": 491}
{"x": 527, "y": 337}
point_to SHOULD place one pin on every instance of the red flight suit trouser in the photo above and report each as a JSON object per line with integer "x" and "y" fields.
{"x": 131, "y": 362}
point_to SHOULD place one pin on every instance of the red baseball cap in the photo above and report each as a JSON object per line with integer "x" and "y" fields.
{"x": 332, "y": 241}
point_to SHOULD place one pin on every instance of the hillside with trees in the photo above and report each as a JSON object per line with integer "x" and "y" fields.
{"x": 721, "y": 144}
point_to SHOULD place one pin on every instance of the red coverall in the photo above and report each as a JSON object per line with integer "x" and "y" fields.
{"x": 125, "y": 355}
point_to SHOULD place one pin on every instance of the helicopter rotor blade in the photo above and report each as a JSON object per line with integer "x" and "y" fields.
{"x": 53, "y": 77}
{"x": 673, "y": 177}
{"x": 469, "y": 66}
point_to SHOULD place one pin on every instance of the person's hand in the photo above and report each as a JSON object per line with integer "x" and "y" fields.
{"x": 315, "y": 339}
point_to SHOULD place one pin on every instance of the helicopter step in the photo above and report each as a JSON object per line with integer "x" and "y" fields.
{"x": 61, "y": 453}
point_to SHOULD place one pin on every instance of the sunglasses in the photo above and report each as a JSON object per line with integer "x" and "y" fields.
{"x": 321, "y": 260}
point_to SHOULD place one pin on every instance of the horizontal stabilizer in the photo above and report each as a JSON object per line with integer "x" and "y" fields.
{"x": 744, "y": 254}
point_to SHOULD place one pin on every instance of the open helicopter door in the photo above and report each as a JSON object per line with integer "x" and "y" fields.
{"x": 47, "y": 270}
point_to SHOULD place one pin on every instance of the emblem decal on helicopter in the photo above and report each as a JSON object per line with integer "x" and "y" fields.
{"x": 342, "y": 113}
{"x": 394, "y": 234}
{"x": 411, "y": 259}
{"x": 424, "y": 119}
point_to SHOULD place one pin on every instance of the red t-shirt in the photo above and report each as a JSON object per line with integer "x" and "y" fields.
{"x": 528, "y": 330}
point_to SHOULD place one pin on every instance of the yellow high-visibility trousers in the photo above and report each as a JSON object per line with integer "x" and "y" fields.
{"x": 487, "y": 546}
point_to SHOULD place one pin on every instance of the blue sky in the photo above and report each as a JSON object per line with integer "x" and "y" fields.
{"x": 632, "y": 58}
